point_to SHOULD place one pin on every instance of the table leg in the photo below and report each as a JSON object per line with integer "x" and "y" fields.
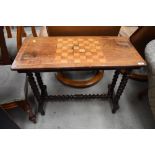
{"x": 36, "y": 92}
{"x": 43, "y": 87}
{"x": 119, "y": 92}
{"x": 113, "y": 84}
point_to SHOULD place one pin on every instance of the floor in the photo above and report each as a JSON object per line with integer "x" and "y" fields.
{"x": 90, "y": 114}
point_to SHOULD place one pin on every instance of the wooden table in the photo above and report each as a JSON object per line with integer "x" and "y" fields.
{"x": 49, "y": 54}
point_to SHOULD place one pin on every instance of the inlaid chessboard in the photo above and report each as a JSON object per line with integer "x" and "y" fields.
{"x": 79, "y": 50}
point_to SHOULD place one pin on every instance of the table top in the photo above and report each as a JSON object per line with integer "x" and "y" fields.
{"x": 76, "y": 53}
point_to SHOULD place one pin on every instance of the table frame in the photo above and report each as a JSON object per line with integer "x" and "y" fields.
{"x": 40, "y": 91}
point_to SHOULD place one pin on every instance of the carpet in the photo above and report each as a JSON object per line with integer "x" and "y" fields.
{"x": 90, "y": 113}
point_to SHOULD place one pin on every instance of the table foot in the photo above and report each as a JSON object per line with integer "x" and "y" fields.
{"x": 41, "y": 109}
{"x": 33, "y": 119}
{"x": 43, "y": 112}
{"x": 115, "y": 108}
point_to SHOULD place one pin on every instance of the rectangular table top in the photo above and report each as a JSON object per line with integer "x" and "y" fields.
{"x": 74, "y": 53}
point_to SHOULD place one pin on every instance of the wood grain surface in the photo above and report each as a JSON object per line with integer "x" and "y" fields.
{"x": 76, "y": 53}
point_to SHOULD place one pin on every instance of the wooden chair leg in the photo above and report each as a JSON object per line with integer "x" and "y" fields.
{"x": 28, "y": 108}
{"x": 8, "y": 29}
{"x": 22, "y": 104}
{"x": 33, "y": 31}
{"x": 23, "y": 32}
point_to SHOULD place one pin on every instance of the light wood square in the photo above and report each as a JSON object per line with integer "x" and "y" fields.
{"x": 76, "y": 54}
{"x": 60, "y": 39}
{"x": 64, "y": 54}
{"x": 75, "y": 42}
{"x": 75, "y": 47}
{"x": 77, "y": 61}
{"x": 82, "y": 50}
{"x": 64, "y": 61}
{"x": 58, "y": 51}
{"x": 89, "y": 60}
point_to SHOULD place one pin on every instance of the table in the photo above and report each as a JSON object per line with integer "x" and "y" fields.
{"x": 6, "y": 121}
{"x": 49, "y": 54}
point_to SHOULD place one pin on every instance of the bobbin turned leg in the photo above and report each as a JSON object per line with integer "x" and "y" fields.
{"x": 43, "y": 87}
{"x": 113, "y": 84}
{"x": 36, "y": 92}
{"x": 119, "y": 92}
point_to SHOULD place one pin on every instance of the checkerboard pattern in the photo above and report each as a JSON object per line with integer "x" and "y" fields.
{"x": 79, "y": 50}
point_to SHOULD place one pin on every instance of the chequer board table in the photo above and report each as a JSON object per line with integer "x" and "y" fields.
{"x": 50, "y": 54}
